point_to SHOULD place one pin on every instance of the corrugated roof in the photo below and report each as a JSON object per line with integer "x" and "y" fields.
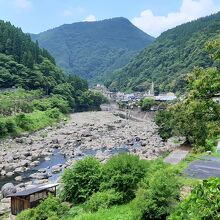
{"x": 33, "y": 190}
{"x": 165, "y": 98}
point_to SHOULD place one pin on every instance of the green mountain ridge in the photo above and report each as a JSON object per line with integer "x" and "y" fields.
{"x": 171, "y": 56}
{"x": 23, "y": 63}
{"x": 93, "y": 49}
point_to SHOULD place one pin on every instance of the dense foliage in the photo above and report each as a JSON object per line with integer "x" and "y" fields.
{"x": 93, "y": 49}
{"x": 146, "y": 104}
{"x": 23, "y": 63}
{"x": 49, "y": 209}
{"x": 197, "y": 116}
{"x": 203, "y": 202}
{"x": 14, "y": 42}
{"x": 46, "y": 91}
{"x": 103, "y": 200}
{"x": 158, "y": 195}
{"x": 123, "y": 173}
{"x": 152, "y": 193}
{"x": 169, "y": 58}
{"x": 82, "y": 180}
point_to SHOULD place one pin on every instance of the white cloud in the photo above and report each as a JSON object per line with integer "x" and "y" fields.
{"x": 90, "y": 18}
{"x": 189, "y": 10}
{"x": 23, "y": 4}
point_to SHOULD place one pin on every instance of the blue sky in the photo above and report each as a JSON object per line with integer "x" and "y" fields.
{"x": 152, "y": 16}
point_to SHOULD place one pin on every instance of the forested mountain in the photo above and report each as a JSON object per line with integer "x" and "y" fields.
{"x": 173, "y": 54}
{"x": 92, "y": 49}
{"x": 24, "y": 65}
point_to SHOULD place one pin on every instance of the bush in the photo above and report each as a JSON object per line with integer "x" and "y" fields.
{"x": 7, "y": 127}
{"x": 203, "y": 203}
{"x": 11, "y": 126}
{"x": 3, "y": 129}
{"x": 51, "y": 208}
{"x": 122, "y": 212}
{"x": 82, "y": 180}
{"x": 146, "y": 104}
{"x": 27, "y": 214}
{"x": 123, "y": 173}
{"x": 158, "y": 195}
{"x": 103, "y": 199}
{"x": 91, "y": 100}
{"x": 55, "y": 101}
{"x": 164, "y": 120}
{"x": 23, "y": 121}
{"x": 53, "y": 113}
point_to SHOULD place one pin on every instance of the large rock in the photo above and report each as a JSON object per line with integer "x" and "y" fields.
{"x": 4, "y": 208}
{"x": 56, "y": 169}
{"x": 9, "y": 174}
{"x": 39, "y": 176}
{"x": 8, "y": 189}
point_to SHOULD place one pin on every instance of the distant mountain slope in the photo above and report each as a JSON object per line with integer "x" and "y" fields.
{"x": 23, "y": 63}
{"x": 169, "y": 58}
{"x": 92, "y": 49}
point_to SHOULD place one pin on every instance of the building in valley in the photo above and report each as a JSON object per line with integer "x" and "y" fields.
{"x": 30, "y": 198}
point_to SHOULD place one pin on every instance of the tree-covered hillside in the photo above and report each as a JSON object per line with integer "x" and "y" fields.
{"x": 169, "y": 58}
{"x": 14, "y": 42}
{"x": 23, "y": 63}
{"x": 93, "y": 49}
{"x": 34, "y": 92}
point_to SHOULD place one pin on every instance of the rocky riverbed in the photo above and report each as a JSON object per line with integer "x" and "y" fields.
{"x": 101, "y": 134}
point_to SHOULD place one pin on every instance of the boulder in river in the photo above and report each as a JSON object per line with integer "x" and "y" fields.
{"x": 39, "y": 176}
{"x": 9, "y": 174}
{"x": 56, "y": 169}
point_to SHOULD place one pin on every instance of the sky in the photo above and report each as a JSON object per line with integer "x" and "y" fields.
{"x": 151, "y": 16}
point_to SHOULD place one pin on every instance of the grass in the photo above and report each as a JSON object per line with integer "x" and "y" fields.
{"x": 29, "y": 122}
{"x": 122, "y": 212}
{"x": 41, "y": 119}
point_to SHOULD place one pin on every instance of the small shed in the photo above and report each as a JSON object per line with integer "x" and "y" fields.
{"x": 30, "y": 198}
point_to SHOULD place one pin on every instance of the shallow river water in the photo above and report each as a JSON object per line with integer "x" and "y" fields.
{"x": 58, "y": 158}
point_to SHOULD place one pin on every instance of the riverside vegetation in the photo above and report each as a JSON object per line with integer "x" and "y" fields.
{"x": 197, "y": 116}
{"x": 45, "y": 93}
{"x": 126, "y": 187}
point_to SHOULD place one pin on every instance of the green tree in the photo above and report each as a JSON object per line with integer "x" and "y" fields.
{"x": 146, "y": 104}
{"x": 197, "y": 116}
{"x": 202, "y": 204}
{"x": 49, "y": 209}
{"x": 123, "y": 173}
{"x": 82, "y": 180}
{"x": 158, "y": 195}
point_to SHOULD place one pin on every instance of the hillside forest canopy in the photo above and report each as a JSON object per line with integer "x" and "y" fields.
{"x": 169, "y": 58}
{"x": 197, "y": 115}
{"x": 31, "y": 84}
{"x": 92, "y": 50}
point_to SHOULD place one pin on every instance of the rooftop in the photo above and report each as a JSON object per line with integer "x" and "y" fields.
{"x": 33, "y": 190}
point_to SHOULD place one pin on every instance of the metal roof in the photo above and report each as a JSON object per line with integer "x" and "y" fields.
{"x": 165, "y": 98}
{"x": 33, "y": 190}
